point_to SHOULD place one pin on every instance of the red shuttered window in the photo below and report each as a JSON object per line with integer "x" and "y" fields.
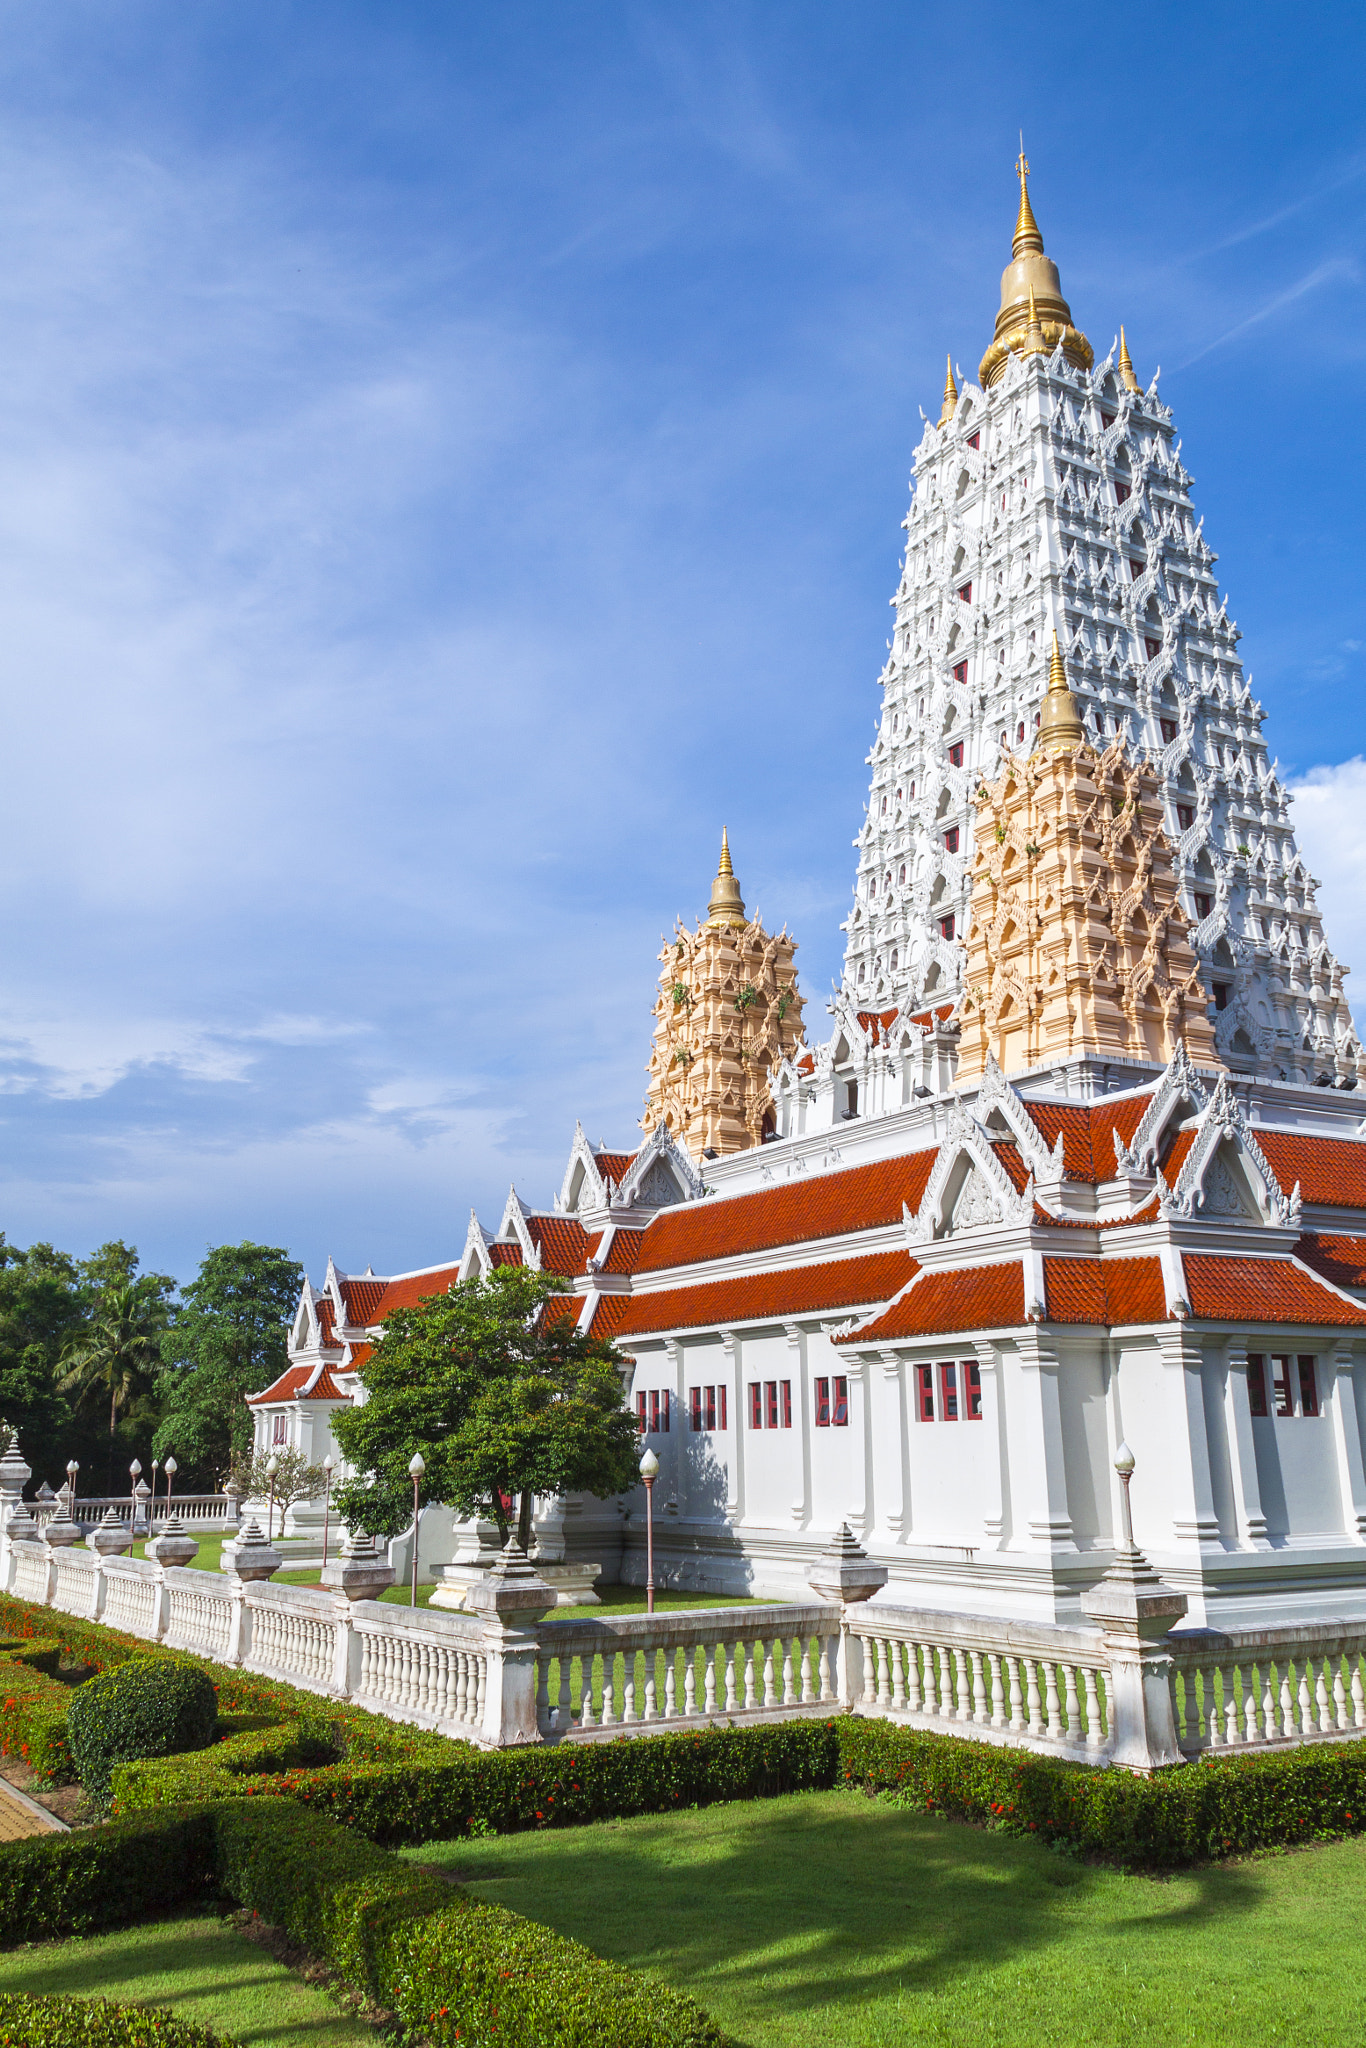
{"x": 839, "y": 1407}
{"x": 771, "y": 1403}
{"x": 972, "y": 1389}
{"x": 695, "y": 1407}
{"x": 756, "y": 1405}
{"x": 785, "y": 1404}
{"x": 925, "y": 1390}
{"x": 956, "y": 755}
{"x": 960, "y": 672}
{"x": 822, "y": 1404}
{"x": 1309, "y": 1387}
{"x": 1256, "y": 1382}
{"x": 1280, "y": 1381}
{"x": 948, "y": 1392}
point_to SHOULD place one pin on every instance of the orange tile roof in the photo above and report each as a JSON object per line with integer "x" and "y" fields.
{"x": 1329, "y": 1170}
{"x": 1262, "y": 1291}
{"x": 1177, "y": 1156}
{"x": 362, "y": 1298}
{"x": 562, "y": 1308}
{"x": 946, "y": 1303}
{"x": 1008, "y": 1152}
{"x": 563, "y": 1241}
{"x": 502, "y": 1253}
{"x": 326, "y": 1315}
{"x": 1088, "y": 1150}
{"x": 613, "y": 1165}
{"x": 753, "y": 1297}
{"x": 1107, "y": 1291}
{"x": 291, "y": 1383}
{"x": 825, "y": 1205}
{"x": 413, "y": 1288}
{"x": 877, "y": 1023}
{"x": 1339, "y": 1259}
{"x": 625, "y": 1251}
{"x": 608, "y": 1314}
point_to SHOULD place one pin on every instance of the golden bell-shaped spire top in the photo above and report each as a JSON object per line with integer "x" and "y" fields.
{"x": 726, "y": 910}
{"x": 1126, "y": 368}
{"x": 1031, "y": 291}
{"x": 1028, "y": 241}
{"x": 1035, "y": 342}
{"x": 1060, "y": 727}
{"x": 950, "y": 405}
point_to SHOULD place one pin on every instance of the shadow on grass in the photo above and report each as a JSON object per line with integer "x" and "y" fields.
{"x": 821, "y": 1898}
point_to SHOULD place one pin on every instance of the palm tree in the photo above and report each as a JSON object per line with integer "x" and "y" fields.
{"x": 122, "y": 1344}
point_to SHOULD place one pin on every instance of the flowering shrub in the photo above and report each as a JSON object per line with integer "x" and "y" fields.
{"x": 149, "y": 1706}
{"x": 96, "y": 2023}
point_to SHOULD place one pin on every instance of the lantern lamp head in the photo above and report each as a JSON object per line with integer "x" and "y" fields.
{"x": 649, "y": 1467}
{"x": 171, "y": 1467}
{"x": 417, "y": 1465}
{"x": 1124, "y": 1461}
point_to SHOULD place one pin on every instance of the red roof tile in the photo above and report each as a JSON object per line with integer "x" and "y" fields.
{"x": 613, "y": 1165}
{"x": 326, "y": 1320}
{"x": 1339, "y": 1259}
{"x": 1008, "y": 1152}
{"x": 563, "y": 1241}
{"x": 413, "y": 1288}
{"x": 1088, "y": 1150}
{"x": 944, "y": 1304}
{"x": 291, "y": 1383}
{"x": 608, "y": 1314}
{"x": 1176, "y": 1156}
{"x": 362, "y": 1298}
{"x": 562, "y": 1308}
{"x": 825, "y": 1205}
{"x": 504, "y": 1254}
{"x": 1329, "y": 1170}
{"x": 877, "y": 1023}
{"x": 1262, "y": 1291}
{"x": 1108, "y": 1291}
{"x": 755, "y": 1297}
{"x": 625, "y": 1252}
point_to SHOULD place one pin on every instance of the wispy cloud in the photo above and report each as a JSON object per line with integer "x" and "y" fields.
{"x": 1323, "y": 273}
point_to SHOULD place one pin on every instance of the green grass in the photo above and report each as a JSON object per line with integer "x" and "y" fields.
{"x": 201, "y": 1969}
{"x": 829, "y": 1920}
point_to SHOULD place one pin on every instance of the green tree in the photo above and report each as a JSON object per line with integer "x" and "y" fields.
{"x": 502, "y": 1401}
{"x": 293, "y": 1478}
{"x": 229, "y": 1339}
{"x": 115, "y": 1359}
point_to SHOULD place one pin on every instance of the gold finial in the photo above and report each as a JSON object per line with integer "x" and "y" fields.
{"x": 1035, "y": 341}
{"x": 726, "y": 910}
{"x": 950, "y": 396}
{"x": 1060, "y": 727}
{"x": 1126, "y": 368}
{"x": 1028, "y": 241}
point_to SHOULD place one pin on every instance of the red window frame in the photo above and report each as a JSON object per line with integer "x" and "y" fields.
{"x": 654, "y": 1411}
{"x": 1121, "y": 492}
{"x": 280, "y": 1432}
{"x": 695, "y": 1402}
{"x": 1256, "y": 1383}
{"x": 640, "y": 1415}
{"x": 956, "y": 754}
{"x": 960, "y": 671}
{"x": 946, "y": 926}
{"x": 1107, "y": 419}
{"x": 1154, "y": 648}
{"x": 721, "y": 1407}
{"x": 785, "y": 1404}
{"x": 1137, "y": 567}
{"x": 839, "y": 1406}
{"x": 924, "y": 1375}
{"x": 756, "y": 1405}
{"x": 1281, "y": 1387}
{"x": 1185, "y": 816}
{"x": 1168, "y": 730}
{"x": 665, "y": 1405}
{"x": 975, "y": 440}
{"x": 965, "y": 593}
{"x": 1309, "y": 1385}
{"x": 972, "y": 1390}
{"x": 770, "y": 1404}
{"x": 711, "y": 1406}
{"x": 948, "y": 1390}
{"x": 951, "y": 840}
{"x": 822, "y": 1404}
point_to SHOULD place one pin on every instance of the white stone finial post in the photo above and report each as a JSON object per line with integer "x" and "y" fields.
{"x": 1135, "y": 1610}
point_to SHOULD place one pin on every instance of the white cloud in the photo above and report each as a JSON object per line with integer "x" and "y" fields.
{"x": 1330, "y": 824}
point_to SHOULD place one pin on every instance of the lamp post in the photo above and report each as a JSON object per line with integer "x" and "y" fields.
{"x": 649, "y": 1472}
{"x": 72, "y": 1468}
{"x": 134, "y": 1473}
{"x": 416, "y": 1467}
{"x": 272, "y": 1467}
{"x": 327, "y": 1500}
{"x": 152, "y": 1503}
{"x": 1124, "y": 1465}
{"x": 170, "y": 1468}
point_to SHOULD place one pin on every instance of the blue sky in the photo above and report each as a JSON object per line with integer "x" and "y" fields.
{"x": 452, "y": 460}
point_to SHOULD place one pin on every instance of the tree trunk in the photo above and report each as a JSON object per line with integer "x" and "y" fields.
{"x": 524, "y": 1508}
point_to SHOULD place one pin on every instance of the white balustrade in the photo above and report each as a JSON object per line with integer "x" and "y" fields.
{"x": 1039, "y": 1687}
{"x": 639, "y": 1671}
{"x": 431, "y": 1668}
{"x": 131, "y": 1593}
{"x": 1250, "y": 1689}
{"x": 30, "y": 1572}
{"x": 199, "y": 1612}
{"x": 292, "y": 1635}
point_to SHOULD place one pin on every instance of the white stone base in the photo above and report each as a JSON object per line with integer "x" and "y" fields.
{"x": 573, "y": 1583}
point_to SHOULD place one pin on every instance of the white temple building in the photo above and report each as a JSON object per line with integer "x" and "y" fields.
{"x": 1083, "y": 1157}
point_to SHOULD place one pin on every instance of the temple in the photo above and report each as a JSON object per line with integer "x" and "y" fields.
{"x": 1080, "y": 1159}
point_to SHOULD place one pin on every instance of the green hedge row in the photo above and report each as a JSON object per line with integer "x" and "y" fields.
{"x": 1221, "y": 1806}
{"x": 451, "y": 1968}
{"x": 96, "y": 2023}
{"x": 33, "y": 1704}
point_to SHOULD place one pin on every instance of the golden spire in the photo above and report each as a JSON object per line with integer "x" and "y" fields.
{"x": 950, "y": 404}
{"x": 726, "y": 910}
{"x": 1031, "y": 291}
{"x": 1034, "y": 343}
{"x": 1126, "y": 368}
{"x": 1028, "y": 241}
{"x": 1060, "y": 728}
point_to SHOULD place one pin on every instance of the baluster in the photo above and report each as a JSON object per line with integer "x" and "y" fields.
{"x": 543, "y": 1694}
{"x": 827, "y": 1666}
{"x": 587, "y": 1715}
{"x": 1269, "y": 1707}
{"x": 564, "y": 1712}
{"x": 770, "y": 1694}
{"x": 945, "y": 1685}
{"x": 789, "y": 1689}
{"x": 670, "y": 1685}
{"x": 748, "y": 1653}
{"x": 964, "y": 1711}
{"x": 462, "y": 1686}
{"x": 1305, "y": 1701}
{"x": 1016, "y": 1696}
{"x": 1340, "y": 1719}
{"x": 869, "y": 1671}
{"x": 483, "y": 1669}
{"x": 884, "y": 1680}
{"x": 913, "y": 1677}
{"x": 609, "y": 1674}
{"x": 1088, "y": 1683}
{"x": 1251, "y": 1677}
{"x": 1032, "y": 1681}
{"x": 897, "y": 1676}
{"x": 1214, "y": 1733}
{"x": 1287, "y": 1703}
{"x": 808, "y": 1675}
{"x": 628, "y": 1687}
{"x": 708, "y": 1679}
{"x": 1229, "y": 1678}
{"x": 1321, "y": 1695}
{"x": 1052, "y": 1705}
{"x": 979, "y": 1691}
{"x": 1071, "y": 1708}
{"x": 651, "y": 1658}
{"x": 690, "y": 1680}
{"x": 1358, "y": 1695}
{"x": 730, "y": 1649}
{"x": 995, "y": 1685}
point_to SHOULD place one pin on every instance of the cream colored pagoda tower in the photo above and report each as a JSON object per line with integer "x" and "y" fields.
{"x": 728, "y": 1011}
{"x": 1077, "y": 942}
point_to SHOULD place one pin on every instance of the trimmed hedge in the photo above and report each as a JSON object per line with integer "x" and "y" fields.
{"x": 1221, "y": 1806}
{"x": 447, "y": 1965}
{"x": 97, "y": 2023}
{"x": 146, "y": 1707}
{"x": 33, "y": 1709}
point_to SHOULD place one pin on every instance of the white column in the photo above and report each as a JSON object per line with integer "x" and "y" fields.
{"x": 995, "y": 1470}
{"x": 889, "y": 1443}
{"x": 860, "y": 1513}
{"x": 1039, "y": 1474}
{"x": 1343, "y": 1399}
{"x": 1194, "y": 1521}
{"x": 735, "y": 1462}
{"x": 1242, "y": 1451}
{"x": 801, "y": 1393}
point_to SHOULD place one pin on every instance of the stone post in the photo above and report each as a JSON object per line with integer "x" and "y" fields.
{"x": 249, "y": 1560}
{"x": 172, "y": 1550}
{"x": 1135, "y": 1610}
{"x": 845, "y": 1572}
{"x": 511, "y": 1597}
{"x": 358, "y": 1572}
{"x": 14, "y": 1477}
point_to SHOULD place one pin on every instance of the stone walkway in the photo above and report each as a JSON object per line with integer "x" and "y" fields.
{"x": 20, "y": 1816}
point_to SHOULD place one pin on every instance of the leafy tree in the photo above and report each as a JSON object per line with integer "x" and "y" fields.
{"x": 229, "y": 1339}
{"x": 294, "y": 1478}
{"x": 115, "y": 1358}
{"x": 502, "y": 1401}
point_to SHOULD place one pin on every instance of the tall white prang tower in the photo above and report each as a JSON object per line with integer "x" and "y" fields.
{"x": 1051, "y": 497}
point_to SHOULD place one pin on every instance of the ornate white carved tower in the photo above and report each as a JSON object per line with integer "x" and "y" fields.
{"x": 1051, "y": 497}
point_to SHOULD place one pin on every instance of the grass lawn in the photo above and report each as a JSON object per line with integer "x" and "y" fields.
{"x": 833, "y": 1919}
{"x": 201, "y": 1969}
